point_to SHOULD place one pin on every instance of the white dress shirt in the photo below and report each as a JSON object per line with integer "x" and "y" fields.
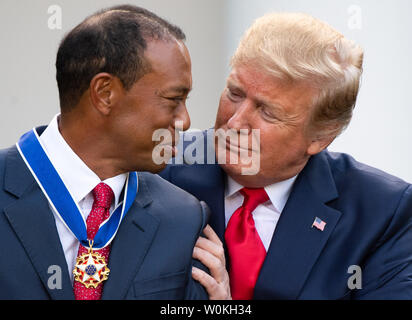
{"x": 80, "y": 180}
{"x": 267, "y": 214}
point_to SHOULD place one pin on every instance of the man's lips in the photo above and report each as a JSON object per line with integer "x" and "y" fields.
{"x": 242, "y": 142}
{"x": 236, "y": 147}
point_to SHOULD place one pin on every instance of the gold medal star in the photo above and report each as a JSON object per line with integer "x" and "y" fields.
{"x": 91, "y": 269}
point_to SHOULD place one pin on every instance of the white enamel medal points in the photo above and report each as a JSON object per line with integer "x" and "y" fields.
{"x": 91, "y": 268}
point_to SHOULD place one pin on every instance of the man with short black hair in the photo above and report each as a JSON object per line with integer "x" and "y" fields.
{"x": 71, "y": 194}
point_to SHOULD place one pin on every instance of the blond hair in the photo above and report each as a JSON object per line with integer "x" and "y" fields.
{"x": 296, "y": 47}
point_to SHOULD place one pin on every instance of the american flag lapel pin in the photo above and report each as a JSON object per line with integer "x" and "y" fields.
{"x": 319, "y": 224}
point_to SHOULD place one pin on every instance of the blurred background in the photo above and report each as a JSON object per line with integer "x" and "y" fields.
{"x": 378, "y": 135}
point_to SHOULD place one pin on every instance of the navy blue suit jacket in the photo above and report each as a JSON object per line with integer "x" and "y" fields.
{"x": 368, "y": 216}
{"x": 150, "y": 258}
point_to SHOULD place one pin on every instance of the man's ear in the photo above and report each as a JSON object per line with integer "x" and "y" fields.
{"x": 105, "y": 90}
{"x": 319, "y": 144}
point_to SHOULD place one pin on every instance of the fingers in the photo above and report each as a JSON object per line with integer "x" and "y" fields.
{"x": 215, "y": 290}
{"x": 212, "y": 262}
{"x": 205, "y": 280}
{"x": 211, "y": 235}
{"x": 212, "y": 244}
{"x": 209, "y": 251}
{"x": 211, "y": 247}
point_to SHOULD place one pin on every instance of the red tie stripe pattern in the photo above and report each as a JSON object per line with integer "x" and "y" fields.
{"x": 103, "y": 197}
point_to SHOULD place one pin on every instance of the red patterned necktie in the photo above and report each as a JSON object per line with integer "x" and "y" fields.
{"x": 103, "y": 196}
{"x": 246, "y": 250}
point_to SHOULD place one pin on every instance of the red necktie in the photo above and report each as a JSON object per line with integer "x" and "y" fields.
{"x": 246, "y": 250}
{"x": 103, "y": 196}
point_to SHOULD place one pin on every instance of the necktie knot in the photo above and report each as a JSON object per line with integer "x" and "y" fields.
{"x": 253, "y": 198}
{"x": 103, "y": 196}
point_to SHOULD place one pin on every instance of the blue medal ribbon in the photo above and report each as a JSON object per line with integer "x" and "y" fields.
{"x": 62, "y": 201}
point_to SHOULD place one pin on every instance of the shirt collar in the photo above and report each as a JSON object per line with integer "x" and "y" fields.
{"x": 278, "y": 192}
{"x": 78, "y": 178}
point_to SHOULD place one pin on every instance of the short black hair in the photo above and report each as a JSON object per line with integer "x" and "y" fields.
{"x": 112, "y": 40}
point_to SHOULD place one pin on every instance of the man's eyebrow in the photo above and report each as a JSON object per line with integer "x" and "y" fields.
{"x": 260, "y": 101}
{"x": 181, "y": 90}
{"x": 232, "y": 83}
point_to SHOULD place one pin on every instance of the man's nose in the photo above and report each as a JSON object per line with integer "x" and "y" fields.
{"x": 240, "y": 119}
{"x": 182, "y": 120}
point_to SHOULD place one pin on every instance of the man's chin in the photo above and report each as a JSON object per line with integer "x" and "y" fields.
{"x": 243, "y": 175}
{"x": 233, "y": 169}
{"x": 157, "y": 168}
{"x": 151, "y": 167}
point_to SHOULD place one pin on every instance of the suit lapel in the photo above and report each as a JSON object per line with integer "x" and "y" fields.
{"x": 34, "y": 225}
{"x": 296, "y": 246}
{"x": 130, "y": 245}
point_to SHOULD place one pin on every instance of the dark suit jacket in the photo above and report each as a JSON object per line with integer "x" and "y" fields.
{"x": 151, "y": 255}
{"x": 368, "y": 216}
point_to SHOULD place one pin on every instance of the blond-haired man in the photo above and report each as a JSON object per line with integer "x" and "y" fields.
{"x": 310, "y": 224}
